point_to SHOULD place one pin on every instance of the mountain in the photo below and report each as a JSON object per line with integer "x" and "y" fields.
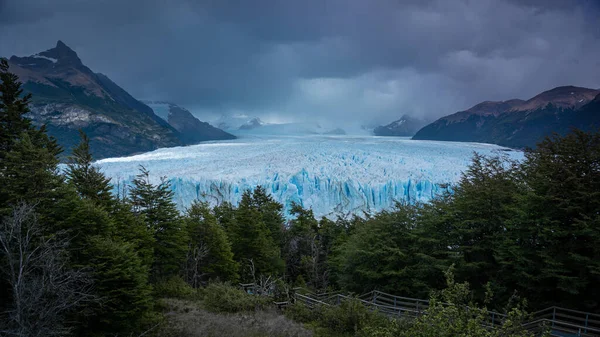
{"x": 232, "y": 122}
{"x": 68, "y": 96}
{"x": 406, "y": 126}
{"x": 517, "y": 123}
{"x": 191, "y": 129}
{"x": 252, "y": 124}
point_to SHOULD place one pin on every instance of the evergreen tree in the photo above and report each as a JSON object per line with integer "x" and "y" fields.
{"x": 13, "y": 107}
{"x": 271, "y": 214}
{"x": 252, "y": 243}
{"x": 481, "y": 205}
{"x": 302, "y": 248}
{"x": 89, "y": 182}
{"x": 563, "y": 175}
{"x": 121, "y": 280}
{"x": 155, "y": 204}
{"x": 209, "y": 253}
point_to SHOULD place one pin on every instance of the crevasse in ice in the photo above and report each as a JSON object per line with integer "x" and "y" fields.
{"x": 333, "y": 175}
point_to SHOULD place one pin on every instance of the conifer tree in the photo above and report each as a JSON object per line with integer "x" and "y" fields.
{"x": 121, "y": 280}
{"x": 271, "y": 213}
{"x": 155, "y": 204}
{"x": 252, "y": 240}
{"x": 89, "y": 182}
{"x": 209, "y": 253}
{"x": 13, "y": 107}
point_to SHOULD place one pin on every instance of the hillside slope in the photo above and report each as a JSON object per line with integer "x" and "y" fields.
{"x": 517, "y": 123}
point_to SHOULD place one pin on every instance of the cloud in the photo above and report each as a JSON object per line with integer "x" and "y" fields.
{"x": 350, "y": 60}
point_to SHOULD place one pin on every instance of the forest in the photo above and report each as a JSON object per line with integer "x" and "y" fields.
{"x": 79, "y": 259}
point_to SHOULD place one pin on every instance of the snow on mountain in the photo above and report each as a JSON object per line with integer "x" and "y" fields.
{"x": 232, "y": 122}
{"x": 332, "y": 175}
{"x": 160, "y": 108}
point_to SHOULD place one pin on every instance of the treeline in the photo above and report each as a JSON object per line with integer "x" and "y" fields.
{"x": 77, "y": 259}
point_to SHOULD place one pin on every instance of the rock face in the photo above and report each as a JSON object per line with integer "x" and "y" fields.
{"x": 517, "y": 123}
{"x": 252, "y": 124}
{"x": 193, "y": 130}
{"x": 68, "y": 96}
{"x": 403, "y": 127}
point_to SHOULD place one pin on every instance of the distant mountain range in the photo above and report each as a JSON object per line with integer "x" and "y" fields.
{"x": 68, "y": 96}
{"x": 192, "y": 130}
{"x": 406, "y": 126}
{"x": 517, "y": 123}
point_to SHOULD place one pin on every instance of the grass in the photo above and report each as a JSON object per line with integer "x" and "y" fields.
{"x": 187, "y": 318}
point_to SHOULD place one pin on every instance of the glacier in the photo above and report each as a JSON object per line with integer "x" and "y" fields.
{"x": 332, "y": 175}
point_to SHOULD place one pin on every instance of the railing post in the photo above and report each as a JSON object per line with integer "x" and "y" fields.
{"x": 493, "y": 318}
{"x": 374, "y": 296}
{"x": 586, "y": 322}
{"x": 553, "y": 315}
{"x": 418, "y": 311}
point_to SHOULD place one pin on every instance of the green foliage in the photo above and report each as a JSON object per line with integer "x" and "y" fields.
{"x": 252, "y": 244}
{"x": 174, "y": 287}
{"x": 350, "y": 317}
{"x": 452, "y": 313}
{"x": 121, "y": 281}
{"x": 89, "y": 182}
{"x": 385, "y": 253}
{"x": 209, "y": 254}
{"x": 155, "y": 204}
{"x": 13, "y": 107}
{"x": 222, "y": 297}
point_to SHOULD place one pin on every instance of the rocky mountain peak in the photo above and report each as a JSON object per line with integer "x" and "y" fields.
{"x": 63, "y": 54}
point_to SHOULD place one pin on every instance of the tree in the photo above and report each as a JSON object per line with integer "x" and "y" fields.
{"x": 271, "y": 213}
{"x": 451, "y": 312}
{"x": 43, "y": 288}
{"x": 384, "y": 253}
{"x": 89, "y": 182}
{"x": 302, "y": 247}
{"x": 13, "y": 107}
{"x": 252, "y": 241}
{"x": 121, "y": 280}
{"x": 482, "y": 203}
{"x": 155, "y": 204}
{"x": 209, "y": 253}
{"x": 563, "y": 224}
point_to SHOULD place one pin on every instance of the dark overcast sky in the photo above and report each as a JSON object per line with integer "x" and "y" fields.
{"x": 361, "y": 60}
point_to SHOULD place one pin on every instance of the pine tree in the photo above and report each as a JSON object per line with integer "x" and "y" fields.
{"x": 89, "y": 182}
{"x": 209, "y": 253}
{"x": 271, "y": 213}
{"x": 121, "y": 280}
{"x": 155, "y": 204}
{"x": 252, "y": 241}
{"x": 13, "y": 107}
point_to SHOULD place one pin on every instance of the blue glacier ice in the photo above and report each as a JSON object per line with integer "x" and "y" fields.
{"x": 333, "y": 175}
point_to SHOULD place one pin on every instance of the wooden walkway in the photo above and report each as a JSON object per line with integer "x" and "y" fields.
{"x": 561, "y": 322}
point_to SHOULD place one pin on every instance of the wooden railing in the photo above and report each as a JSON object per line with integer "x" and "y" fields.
{"x": 560, "y": 322}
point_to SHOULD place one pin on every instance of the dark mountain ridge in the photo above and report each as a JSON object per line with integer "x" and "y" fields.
{"x": 517, "y": 123}
{"x": 68, "y": 96}
{"x": 406, "y": 126}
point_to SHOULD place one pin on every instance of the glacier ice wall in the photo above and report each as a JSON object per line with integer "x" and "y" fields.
{"x": 333, "y": 175}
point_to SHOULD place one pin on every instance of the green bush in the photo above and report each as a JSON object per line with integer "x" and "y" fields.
{"x": 174, "y": 287}
{"x": 222, "y": 297}
{"x": 349, "y": 317}
{"x": 299, "y": 312}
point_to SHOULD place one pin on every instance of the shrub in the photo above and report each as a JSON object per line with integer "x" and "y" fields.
{"x": 348, "y": 317}
{"x": 299, "y": 312}
{"x": 222, "y": 297}
{"x": 174, "y": 287}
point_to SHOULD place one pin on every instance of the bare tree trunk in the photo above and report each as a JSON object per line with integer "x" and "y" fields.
{"x": 196, "y": 256}
{"x": 43, "y": 289}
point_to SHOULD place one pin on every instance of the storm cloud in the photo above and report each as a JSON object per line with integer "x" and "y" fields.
{"x": 326, "y": 60}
